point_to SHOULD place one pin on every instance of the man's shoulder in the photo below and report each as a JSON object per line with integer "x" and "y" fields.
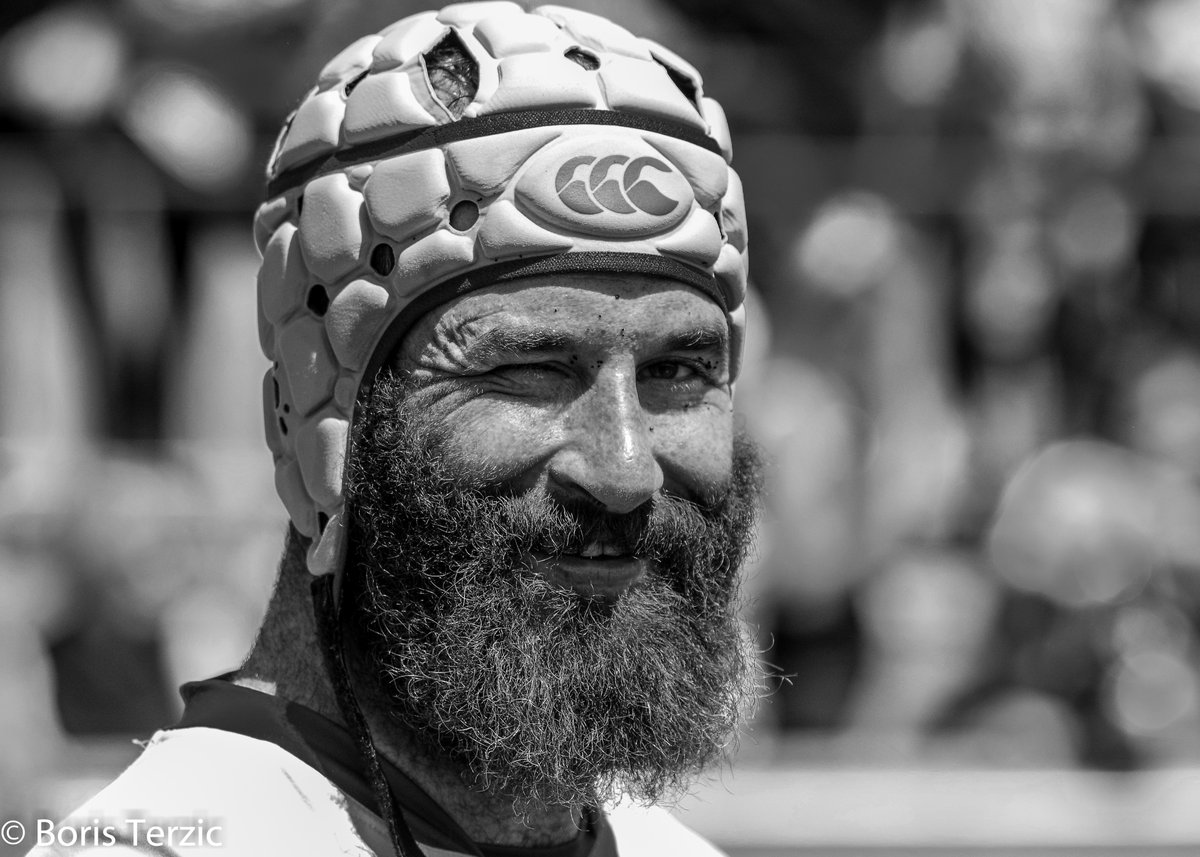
{"x": 199, "y": 791}
{"x": 644, "y": 831}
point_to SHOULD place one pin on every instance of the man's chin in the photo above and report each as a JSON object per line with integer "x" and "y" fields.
{"x": 542, "y": 699}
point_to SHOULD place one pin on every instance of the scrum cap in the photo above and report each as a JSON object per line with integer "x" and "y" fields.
{"x": 582, "y": 148}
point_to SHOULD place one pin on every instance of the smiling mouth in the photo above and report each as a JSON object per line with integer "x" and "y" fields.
{"x": 604, "y": 551}
{"x": 600, "y": 569}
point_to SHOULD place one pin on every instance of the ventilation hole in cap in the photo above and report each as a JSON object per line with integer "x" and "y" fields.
{"x": 686, "y": 85}
{"x": 318, "y": 300}
{"x": 453, "y": 74}
{"x": 283, "y": 425}
{"x": 464, "y": 215}
{"x": 587, "y": 59}
{"x": 322, "y": 521}
{"x": 355, "y": 82}
{"x": 275, "y": 386}
{"x": 299, "y": 205}
{"x": 383, "y": 259}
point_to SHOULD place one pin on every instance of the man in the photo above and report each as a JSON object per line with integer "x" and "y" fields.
{"x": 502, "y": 284}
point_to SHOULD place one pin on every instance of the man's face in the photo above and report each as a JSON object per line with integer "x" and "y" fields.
{"x": 548, "y": 509}
{"x": 600, "y": 389}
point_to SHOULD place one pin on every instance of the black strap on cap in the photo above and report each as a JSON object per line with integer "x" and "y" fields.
{"x": 482, "y": 126}
{"x": 534, "y": 266}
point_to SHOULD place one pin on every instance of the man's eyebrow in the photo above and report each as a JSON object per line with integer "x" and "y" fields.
{"x": 498, "y": 342}
{"x": 698, "y": 339}
{"x": 509, "y": 340}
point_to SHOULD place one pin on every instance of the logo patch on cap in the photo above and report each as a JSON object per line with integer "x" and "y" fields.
{"x": 604, "y": 185}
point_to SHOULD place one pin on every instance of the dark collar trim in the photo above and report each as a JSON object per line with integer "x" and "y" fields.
{"x": 322, "y": 745}
{"x": 326, "y": 747}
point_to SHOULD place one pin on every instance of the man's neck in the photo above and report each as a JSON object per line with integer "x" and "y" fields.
{"x": 286, "y": 660}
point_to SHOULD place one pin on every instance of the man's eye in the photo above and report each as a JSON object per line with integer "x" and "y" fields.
{"x": 530, "y": 373}
{"x": 667, "y": 371}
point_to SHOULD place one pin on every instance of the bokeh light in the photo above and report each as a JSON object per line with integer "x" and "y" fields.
{"x": 64, "y": 66}
{"x": 195, "y": 132}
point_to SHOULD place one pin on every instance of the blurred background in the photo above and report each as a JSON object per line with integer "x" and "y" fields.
{"x": 974, "y": 364}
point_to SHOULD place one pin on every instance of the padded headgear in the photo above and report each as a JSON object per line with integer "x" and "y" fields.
{"x": 584, "y": 148}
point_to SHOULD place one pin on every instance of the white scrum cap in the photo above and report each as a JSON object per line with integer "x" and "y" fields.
{"x": 583, "y": 148}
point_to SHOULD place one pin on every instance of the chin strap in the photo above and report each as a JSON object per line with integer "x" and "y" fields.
{"x": 329, "y": 630}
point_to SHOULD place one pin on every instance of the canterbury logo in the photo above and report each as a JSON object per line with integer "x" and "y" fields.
{"x": 608, "y": 188}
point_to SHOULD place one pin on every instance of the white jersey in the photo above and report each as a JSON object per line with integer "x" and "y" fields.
{"x": 203, "y": 792}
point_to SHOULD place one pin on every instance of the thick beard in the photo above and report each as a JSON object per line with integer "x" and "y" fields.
{"x": 540, "y": 693}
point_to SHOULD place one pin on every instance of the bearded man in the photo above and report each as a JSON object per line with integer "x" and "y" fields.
{"x": 502, "y": 285}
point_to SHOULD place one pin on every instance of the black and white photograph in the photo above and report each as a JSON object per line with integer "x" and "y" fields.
{"x": 623, "y": 428}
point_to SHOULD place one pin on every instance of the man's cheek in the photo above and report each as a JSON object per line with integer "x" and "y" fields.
{"x": 498, "y": 443}
{"x": 695, "y": 450}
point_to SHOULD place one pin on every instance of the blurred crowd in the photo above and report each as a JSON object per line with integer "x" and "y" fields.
{"x": 974, "y": 362}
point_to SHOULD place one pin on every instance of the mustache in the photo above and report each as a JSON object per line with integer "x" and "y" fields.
{"x": 411, "y": 499}
{"x": 664, "y": 531}
{"x": 555, "y": 527}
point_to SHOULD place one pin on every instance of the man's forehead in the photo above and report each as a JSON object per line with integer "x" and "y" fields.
{"x": 576, "y": 306}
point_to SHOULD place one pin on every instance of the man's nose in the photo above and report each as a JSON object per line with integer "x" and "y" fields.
{"x": 608, "y": 454}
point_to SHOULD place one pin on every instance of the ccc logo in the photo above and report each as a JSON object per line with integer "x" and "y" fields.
{"x": 609, "y": 187}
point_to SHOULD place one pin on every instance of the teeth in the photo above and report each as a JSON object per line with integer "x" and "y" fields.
{"x": 597, "y": 549}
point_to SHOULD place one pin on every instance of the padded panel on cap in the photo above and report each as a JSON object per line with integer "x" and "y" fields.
{"x": 705, "y": 171}
{"x": 541, "y": 81}
{"x": 344, "y": 392}
{"x": 407, "y": 194}
{"x": 382, "y": 105}
{"x": 697, "y": 241}
{"x": 331, "y": 231}
{"x": 289, "y": 484}
{"x": 282, "y": 278}
{"x": 320, "y": 444}
{"x": 434, "y": 257}
{"x": 737, "y": 339}
{"x": 357, "y": 175}
{"x": 266, "y": 336}
{"x": 718, "y": 126}
{"x": 284, "y": 415}
{"x": 485, "y": 167}
{"x": 731, "y": 274}
{"x": 508, "y": 234}
{"x": 409, "y": 39}
{"x": 358, "y": 309}
{"x": 592, "y": 31}
{"x": 308, "y": 362}
{"x": 314, "y": 130}
{"x": 352, "y": 61}
{"x": 468, "y": 13}
{"x": 645, "y": 87}
{"x": 733, "y": 213}
{"x": 503, "y": 37}
{"x": 268, "y": 218}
